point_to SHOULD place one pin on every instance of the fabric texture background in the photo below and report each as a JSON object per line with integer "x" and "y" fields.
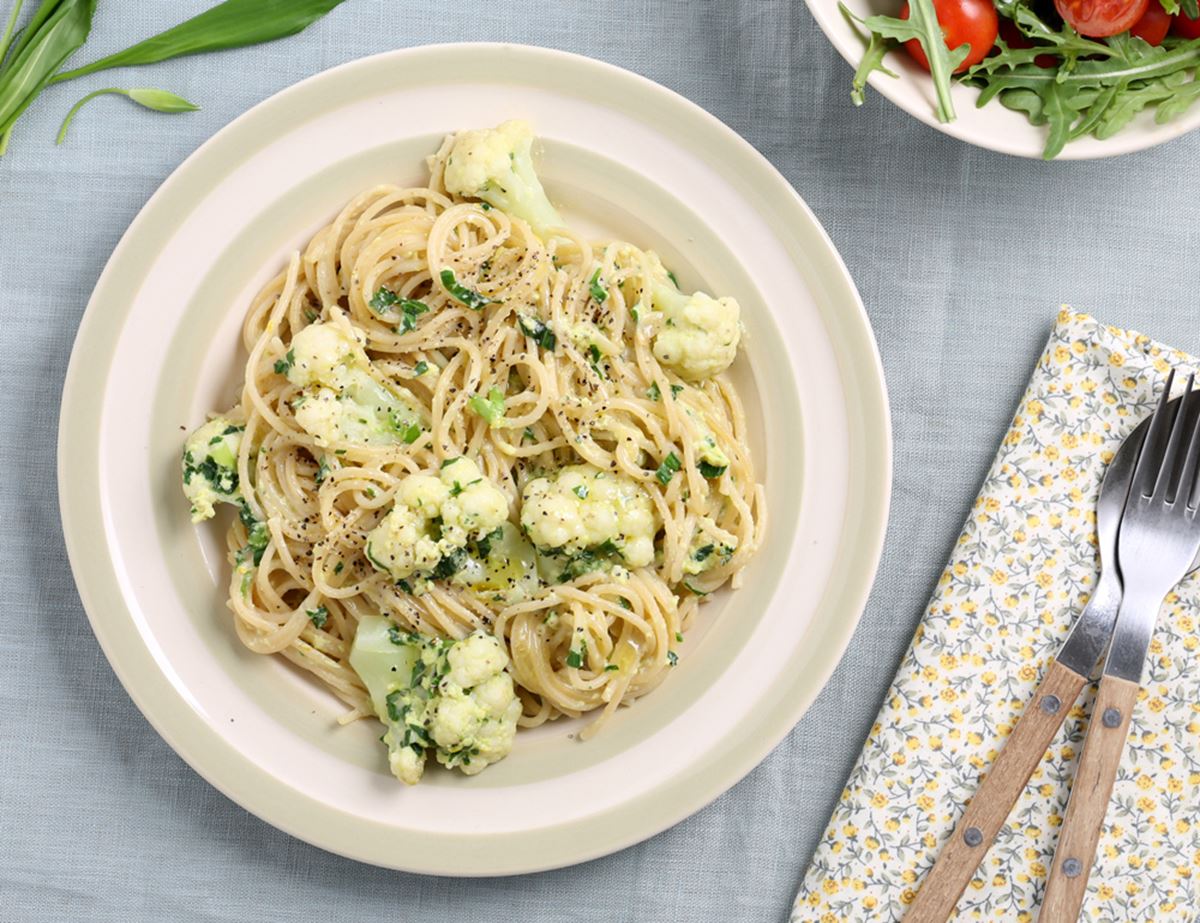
{"x": 1022, "y": 569}
{"x": 962, "y": 257}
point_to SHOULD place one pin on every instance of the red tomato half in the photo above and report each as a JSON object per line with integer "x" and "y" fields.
{"x": 1100, "y": 18}
{"x": 1152, "y": 28}
{"x": 964, "y": 22}
{"x": 1185, "y": 27}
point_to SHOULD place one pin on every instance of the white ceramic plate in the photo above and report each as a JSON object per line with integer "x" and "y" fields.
{"x": 993, "y": 126}
{"x": 158, "y": 347}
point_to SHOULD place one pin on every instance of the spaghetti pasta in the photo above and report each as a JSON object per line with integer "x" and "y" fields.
{"x": 527, "y": 353}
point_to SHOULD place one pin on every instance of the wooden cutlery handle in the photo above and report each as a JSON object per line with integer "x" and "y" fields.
{"x": 990, "y": 807}
{"x": 1089, "y": 799}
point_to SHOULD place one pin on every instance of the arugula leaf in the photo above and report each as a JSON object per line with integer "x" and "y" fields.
{"x": 922, "y": 24}
{"x": 1097, "y": 95}
{"x": 875, "y": 46}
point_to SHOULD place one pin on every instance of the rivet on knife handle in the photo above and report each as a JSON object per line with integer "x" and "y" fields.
{"x": 990, "y": 807}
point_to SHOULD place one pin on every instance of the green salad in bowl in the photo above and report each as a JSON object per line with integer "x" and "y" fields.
{"x": 1078, "y": 67}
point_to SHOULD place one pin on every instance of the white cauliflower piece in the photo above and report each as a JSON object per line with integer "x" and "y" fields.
{"x": 583, "y": 509}
{"x": 210, "y": 467}
{"x": 495, "y": 164}
{"x": 454, "y": 697}
{"x": 322, "y": 354}
{"x": 433, "y": 518}
{"x": 474, "y": 719}
{"x": 342, "y": 402}
{"x": 699, "y": 334}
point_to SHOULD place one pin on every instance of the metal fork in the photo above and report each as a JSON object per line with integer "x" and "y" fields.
{"x": 1158, "y": 540}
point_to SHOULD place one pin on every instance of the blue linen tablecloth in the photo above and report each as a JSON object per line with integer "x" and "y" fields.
{"x": 962, "y": 257}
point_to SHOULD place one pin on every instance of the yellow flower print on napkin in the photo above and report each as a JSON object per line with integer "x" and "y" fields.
{"x": 1022, "y": 569}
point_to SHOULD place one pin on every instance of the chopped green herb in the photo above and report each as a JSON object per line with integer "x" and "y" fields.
{"x": 654, "y": 392}
{"x": 711, "y": 471}
{"x": 675, "y": 389}
{"x": 461, "y": 293}
{"x": 323, "y": 470}
{"x": 672, "y": 658}
{"x": 611, "y": 668}
{"x": 491, "y": 408}
{"x": 449, "y": 461}
{"x": 679, "y": 636}
{"x": 318, "y": 616}
{"x": 703, "y": 553}
{"x": 538, "y": 331}
{"x": 529, "y": 435}
{"x": 667, "y": 469}
{"x": 671, "y": 276}
{"x": 580, "y": 490}
{"x": 694, "y": 590}
{"x": 449, "y": 565}
{"x": 311, "y": 315}
{"x": 405, "y": 586}
{"x": 596, "y": 288}
{"x": 421, "y": 368}
{"x": 484, "y": 545}
{"x": 575, "y": 657}
{"x": 339, "y": 567}
{"x": 284, "y": 365}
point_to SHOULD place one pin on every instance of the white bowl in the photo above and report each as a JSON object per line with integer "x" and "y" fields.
{"x": 992, "y": 126}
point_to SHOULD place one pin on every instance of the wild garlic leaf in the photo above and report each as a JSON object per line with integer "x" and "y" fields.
{"x": 57, "y": 29}
{"x": 232, "y": 24}
{"x": 149, "y": 98}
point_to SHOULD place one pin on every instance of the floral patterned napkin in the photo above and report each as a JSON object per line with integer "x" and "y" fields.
{"x": 1020, "y": 573}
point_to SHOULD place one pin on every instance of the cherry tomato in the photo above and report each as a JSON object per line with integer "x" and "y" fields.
{"x": 1100, "y": 18}
{"x": 964, "y": 22}
{"x": 1152, "y": 28}
{"x": 1186, "y": 27}
{"x": 1015, "y": 38}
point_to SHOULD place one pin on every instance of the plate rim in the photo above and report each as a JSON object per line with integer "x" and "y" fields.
{"x": 211, "y": 755}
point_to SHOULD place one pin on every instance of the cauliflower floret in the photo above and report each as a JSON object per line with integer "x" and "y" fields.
{"x": 210, "y": 467}
{"x": 342, "y": 402}
{"x": 699, "y": 334}
{"x": 474, "y": 725}
{"x": 454, "y": 697}
{"x": 322, "y": 354}
{"x": 582, "y": 508}
{"x": 433, "y": 518}
{"x": 711, "y": 545}
{"x": 494, "y": 164}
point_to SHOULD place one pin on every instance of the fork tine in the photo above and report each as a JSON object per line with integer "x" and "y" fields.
{"x": 1150, "y": 458}
{"x": 1173, "y": 458}
{"x": 1187, "y": 479}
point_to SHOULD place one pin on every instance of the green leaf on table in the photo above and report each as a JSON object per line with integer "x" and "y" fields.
{"x": 232, "y": 24}
{"x": 57, "y": 29}
{"x": 147, "y": 97}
